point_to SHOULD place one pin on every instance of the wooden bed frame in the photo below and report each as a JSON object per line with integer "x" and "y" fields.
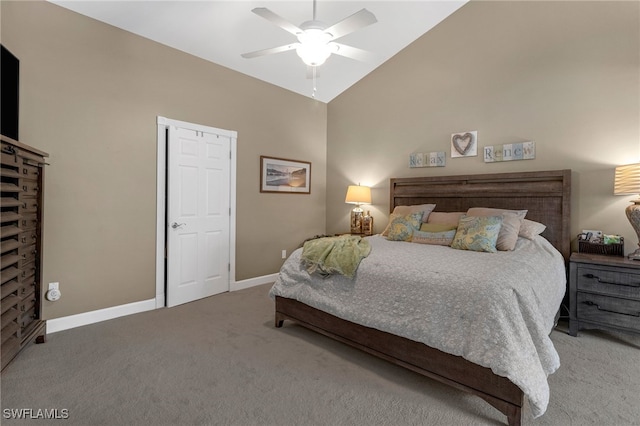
{"x": 546, "y": 195}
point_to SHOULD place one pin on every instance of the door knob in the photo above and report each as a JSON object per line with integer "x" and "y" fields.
{"x": 175, "y": 225}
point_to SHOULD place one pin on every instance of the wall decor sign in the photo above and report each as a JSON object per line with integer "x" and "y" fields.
{"x": 284, "y": 175}
{"x": 510, "y": 152}
{"x": 464, "y": 144}
{"x": 427, "y": 159}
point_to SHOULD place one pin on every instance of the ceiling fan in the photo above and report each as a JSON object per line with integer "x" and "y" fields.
{"x": 315, "y": 39}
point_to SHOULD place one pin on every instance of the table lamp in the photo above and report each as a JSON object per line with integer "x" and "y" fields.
{"x": 357, "y": 195}
{"x": 627, "y": 182}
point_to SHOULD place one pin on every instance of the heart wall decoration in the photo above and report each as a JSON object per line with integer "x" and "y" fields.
{"x": 464, "y": 144}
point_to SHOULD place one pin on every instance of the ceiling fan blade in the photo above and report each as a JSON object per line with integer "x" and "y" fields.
{"x": 351, "y": 23}
{"x": 277, "y": 20}
{"x": 270, "y": 51}
{"x": 353, "y": 52}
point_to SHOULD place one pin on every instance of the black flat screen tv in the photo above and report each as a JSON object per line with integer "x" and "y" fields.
{"x": 9, "y": 93}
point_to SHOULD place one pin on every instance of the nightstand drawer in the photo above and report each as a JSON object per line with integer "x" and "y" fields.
{"x": 608, "y": 281}
{"x": 609, "y": 310}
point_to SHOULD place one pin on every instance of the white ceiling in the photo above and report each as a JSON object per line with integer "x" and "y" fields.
{"x": 219, "y": 31}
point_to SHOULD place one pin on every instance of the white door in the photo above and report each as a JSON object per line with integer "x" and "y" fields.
{"x": 198, "y": 214}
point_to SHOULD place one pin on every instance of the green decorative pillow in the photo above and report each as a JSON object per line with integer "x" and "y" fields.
{"x": 477, "y": 233}
{"x": 403, "y": 227}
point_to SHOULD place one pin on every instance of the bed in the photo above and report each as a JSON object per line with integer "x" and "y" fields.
{"x": 546, "y": 197}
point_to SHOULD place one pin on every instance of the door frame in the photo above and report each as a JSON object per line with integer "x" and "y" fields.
{"x": 161, "y": 206}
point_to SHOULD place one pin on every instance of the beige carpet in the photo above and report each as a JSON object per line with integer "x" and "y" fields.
{"x": 220, "y": 361}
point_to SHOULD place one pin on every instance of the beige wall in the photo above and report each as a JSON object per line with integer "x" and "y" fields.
{"x": 563, "y": 74}
{"x": 90, "y": 95}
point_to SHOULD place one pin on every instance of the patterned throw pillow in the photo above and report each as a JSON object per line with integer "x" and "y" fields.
{"x": 511, "y": 223}
{"x": 477, "y": 233}
{"x": 403, "y": 227}
{"x": 440, "y": 234}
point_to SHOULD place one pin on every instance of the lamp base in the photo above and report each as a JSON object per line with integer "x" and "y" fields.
{"x": 356, "y": 220}
{"x": 633, "y": 214}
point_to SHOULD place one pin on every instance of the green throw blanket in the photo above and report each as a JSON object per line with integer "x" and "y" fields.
{"x": 331, "y": 255}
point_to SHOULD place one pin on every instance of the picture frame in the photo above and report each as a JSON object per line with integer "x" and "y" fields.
{"x": 284, "y": 176}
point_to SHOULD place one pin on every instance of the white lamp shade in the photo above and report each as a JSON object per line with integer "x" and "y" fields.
{"x": 627, "y": 180}
{"x": 357, "y": 194}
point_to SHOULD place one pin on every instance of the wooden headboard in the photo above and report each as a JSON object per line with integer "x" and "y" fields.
{"x": 546, "y": 195}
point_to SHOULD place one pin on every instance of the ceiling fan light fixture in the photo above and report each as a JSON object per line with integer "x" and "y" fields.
{"x": 314, "y": 47}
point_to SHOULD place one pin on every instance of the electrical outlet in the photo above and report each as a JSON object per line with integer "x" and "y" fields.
{"x": 284, "y": 254}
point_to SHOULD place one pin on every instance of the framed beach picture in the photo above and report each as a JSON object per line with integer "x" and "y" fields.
{"x": 284, "y": 176}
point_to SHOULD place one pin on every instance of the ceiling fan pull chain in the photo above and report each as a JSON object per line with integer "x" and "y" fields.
{"x": 313, "y": 94}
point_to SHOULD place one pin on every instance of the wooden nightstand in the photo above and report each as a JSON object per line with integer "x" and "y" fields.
{"x": 604, "y": 293}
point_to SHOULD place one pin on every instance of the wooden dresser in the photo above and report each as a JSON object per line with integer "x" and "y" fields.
{"x": 21, "y": 214}
{"x": 604, "y": 293}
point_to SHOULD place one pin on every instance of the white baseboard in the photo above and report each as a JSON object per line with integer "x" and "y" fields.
{"x": 86, "y": 318}
{"x": 252, "y": 282}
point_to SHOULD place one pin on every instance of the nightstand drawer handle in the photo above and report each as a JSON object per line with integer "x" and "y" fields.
{"x": 590, "y": 303}
{"x": 609, "y": 282}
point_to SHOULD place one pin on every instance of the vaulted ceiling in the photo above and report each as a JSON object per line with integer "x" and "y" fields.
{"x": 220, "y": 31}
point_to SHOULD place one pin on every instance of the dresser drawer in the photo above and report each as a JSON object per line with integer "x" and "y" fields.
{"x": 29, "y": 204}
{"x": 27, "y": 273}
{"x": 30, "y": 172}
{"x": 27, "y": 255}
{"x": 29, "y": 188}
{"x": 27, "y": 318}
{"x": 28, "y": 302}
{"x": 29, "y": 237}
{"x": 29, "y": 221}
{"x": 609, "y": 310}
{"x": 610, "y": 281}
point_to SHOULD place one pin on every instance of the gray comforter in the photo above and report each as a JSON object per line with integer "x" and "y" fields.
{"x": 493, "y": 309}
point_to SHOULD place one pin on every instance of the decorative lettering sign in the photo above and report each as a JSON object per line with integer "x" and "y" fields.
{"x": 427, "y": 159}
{"x": 510, "y": 152}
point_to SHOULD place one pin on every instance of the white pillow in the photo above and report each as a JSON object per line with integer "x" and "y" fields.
{"x": 530, "y": 229}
